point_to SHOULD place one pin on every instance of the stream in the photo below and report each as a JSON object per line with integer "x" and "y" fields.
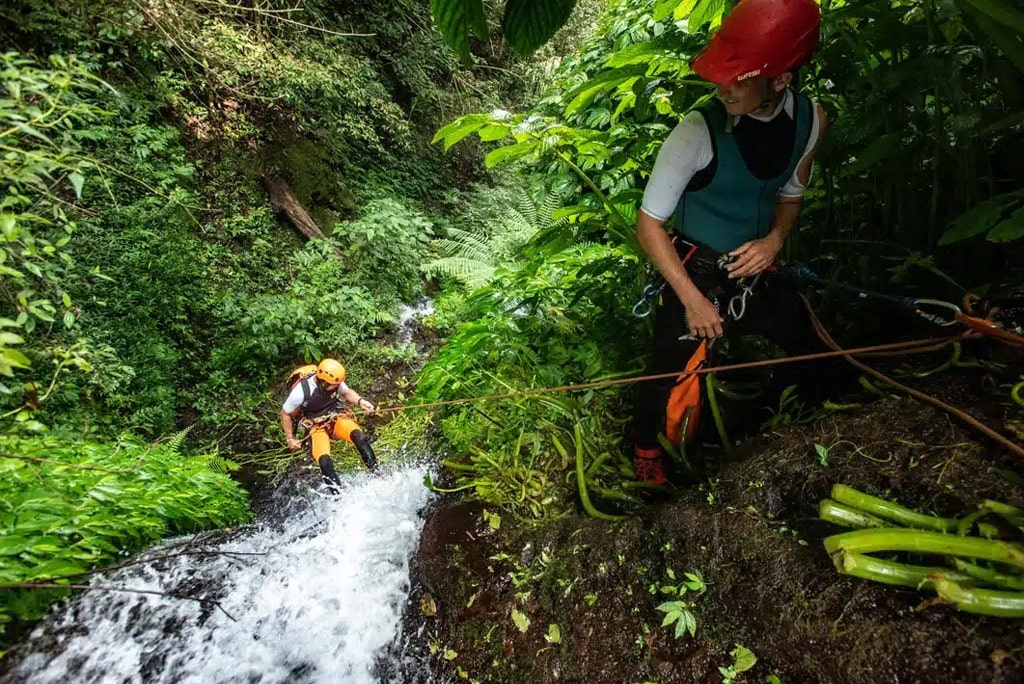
{"x": 313, "y": 591}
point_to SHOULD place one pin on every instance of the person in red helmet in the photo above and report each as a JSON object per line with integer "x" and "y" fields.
{"x": 317, "y": 401}
{"x": 730, "y": 176}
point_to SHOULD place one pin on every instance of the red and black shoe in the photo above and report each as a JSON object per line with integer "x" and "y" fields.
{"x": 649, "y": 466}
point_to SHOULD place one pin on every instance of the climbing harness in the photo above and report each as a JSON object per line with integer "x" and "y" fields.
{"x": 310, "y": 423}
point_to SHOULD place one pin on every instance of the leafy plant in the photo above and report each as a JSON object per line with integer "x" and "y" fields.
{"x": 679, "y": 612}
{"x": 526, "y": 25}
{"x": 386, "y": 245}
{"x": 67, "y": 506}
{"x": 44, "y": 116}
{"x": 743, "y": 659}
{"x": 473, "y": 253}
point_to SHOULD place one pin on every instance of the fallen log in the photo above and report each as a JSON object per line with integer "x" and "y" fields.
{"x": 284, "y": 203}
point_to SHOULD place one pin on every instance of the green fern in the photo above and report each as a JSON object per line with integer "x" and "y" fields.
{"x": 471, "y": 272}
{"x": 174, "y": 443}
{"x": 472, "y": 256}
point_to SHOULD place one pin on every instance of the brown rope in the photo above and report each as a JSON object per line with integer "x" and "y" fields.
{"x": 907, "y": 347}
{"x": 819, "y": 328}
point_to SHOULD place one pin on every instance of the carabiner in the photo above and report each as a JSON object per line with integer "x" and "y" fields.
{"x": 644, "y": 307}
{"x": 935, "y": 318}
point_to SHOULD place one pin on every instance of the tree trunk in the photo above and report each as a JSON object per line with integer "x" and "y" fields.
{"x": 284, "y": 202}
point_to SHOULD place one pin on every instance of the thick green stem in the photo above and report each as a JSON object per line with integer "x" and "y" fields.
{"x": 1017, "y": 394}
{"x": 891, "y": 572}
{"x": 716, "y": 413}
{"x": 1000, "y": 580}
{"x": 981, "y": 601}
{"x": 953, "y": 360}
{"x": 1011, "y": 513}
{"x": 919, "y": 541}
{"x": 598, "y": 462}
{"x": 581, "y": 477}
{"x": 890, "y": 511}
{"x": 840, "y": 514}
{"x": 461, "y": 467}
{"x": 615, "y": 495}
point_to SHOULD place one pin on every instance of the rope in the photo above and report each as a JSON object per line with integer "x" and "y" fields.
{"x": 907, "y": 347}
{"x": 928, "y": 399}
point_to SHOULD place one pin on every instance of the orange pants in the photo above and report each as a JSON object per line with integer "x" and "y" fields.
{"x": 320, "y": 436}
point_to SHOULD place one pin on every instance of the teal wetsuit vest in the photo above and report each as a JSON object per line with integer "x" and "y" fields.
{"x": 732, "y": 200}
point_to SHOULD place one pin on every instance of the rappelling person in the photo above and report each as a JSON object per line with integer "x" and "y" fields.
{"x": 731, "y": 175}
{"x": 319, "y": 401}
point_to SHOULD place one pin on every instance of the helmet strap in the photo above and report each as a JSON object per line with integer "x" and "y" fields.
{"x": 766, "y": 93}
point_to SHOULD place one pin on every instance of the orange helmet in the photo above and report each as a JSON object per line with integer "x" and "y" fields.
{"x": 761, "y": 38}
{"x": 330, "y": 372}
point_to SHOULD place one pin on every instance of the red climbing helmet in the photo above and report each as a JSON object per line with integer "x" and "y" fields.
{"x": 761, "y": 38}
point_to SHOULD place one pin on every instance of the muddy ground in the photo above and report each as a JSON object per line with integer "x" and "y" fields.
{"x": 752, "y": 531}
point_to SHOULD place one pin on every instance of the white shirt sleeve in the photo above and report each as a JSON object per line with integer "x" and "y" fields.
{"x": 793, "y": 187}
{"x": 294, "y": 399}
{"x": 686, "y": 150}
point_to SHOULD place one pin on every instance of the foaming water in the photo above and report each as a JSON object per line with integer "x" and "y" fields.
{"x": 314, "y": 595}
{"x": 408, "y": 316}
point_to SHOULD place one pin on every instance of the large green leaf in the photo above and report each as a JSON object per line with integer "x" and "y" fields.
{"x": 663, "y": 9}
{"x": 977, "y": 220}
{"x": 1003, "y": 38}
{"x": 457, "y": 19}
{"x": 528, "y": 24}
{"x": 1009, "y": 230}
{"x": 1002, "y": 11}
{"x": 510, "y": 152}
{"x": 706, "y": 11}
{"x": 584, "y": 94}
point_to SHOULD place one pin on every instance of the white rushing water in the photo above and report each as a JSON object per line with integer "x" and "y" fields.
{"x": 408, "y": 316}
{"x": 316, "y": 593}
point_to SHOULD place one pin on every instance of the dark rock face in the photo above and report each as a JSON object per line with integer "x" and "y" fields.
{"x": 752, "y": 532}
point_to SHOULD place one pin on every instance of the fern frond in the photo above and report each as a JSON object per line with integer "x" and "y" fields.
{"x": 526, "y": 207}
{"x": 551, "y": 203}
{"x": 173, "y": 444}
{"x": 465, "y": 244}
{"x": 472, "y": 272}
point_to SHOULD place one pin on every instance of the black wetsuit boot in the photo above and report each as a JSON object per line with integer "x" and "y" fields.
{"x": 362, "y": 445}
{"x": 331, "y": 478}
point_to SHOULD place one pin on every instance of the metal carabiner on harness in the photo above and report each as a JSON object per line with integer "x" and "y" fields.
{"x": 645, "y": 305}
{"x": 738, "y": 303}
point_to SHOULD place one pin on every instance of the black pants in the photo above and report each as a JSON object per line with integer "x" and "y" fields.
{"x": 773, "y": 310}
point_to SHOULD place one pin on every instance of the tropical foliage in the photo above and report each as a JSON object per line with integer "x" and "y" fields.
{"x": 921, "y": 152}
{"x": 67, "y": 506}
{"x": 149, "y": 282}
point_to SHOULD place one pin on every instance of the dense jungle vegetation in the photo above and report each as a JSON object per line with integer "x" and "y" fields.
{"x": 154, "y": 284}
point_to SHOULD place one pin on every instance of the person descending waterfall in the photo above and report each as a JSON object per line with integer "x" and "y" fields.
{"x": 317, "y": 401}
{"x": 732, "y": 173}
